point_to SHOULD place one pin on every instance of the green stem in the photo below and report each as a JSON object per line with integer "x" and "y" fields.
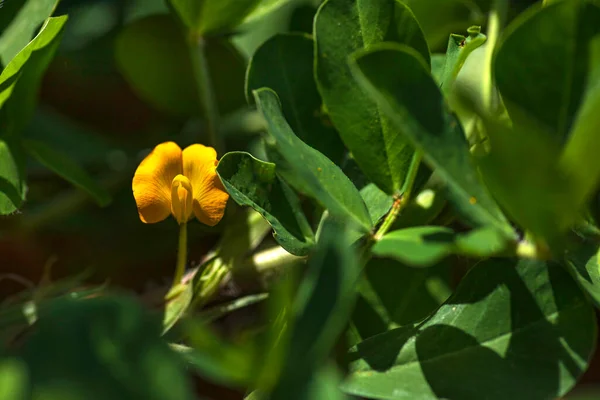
{"x": 401, "y": 201}
{"x": 206, "y": 92}
{"x": 495, "y": 22}
{"x": 181, "y": 255}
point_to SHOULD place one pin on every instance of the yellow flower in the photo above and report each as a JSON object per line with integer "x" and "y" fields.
{"x": 182, "y": 183}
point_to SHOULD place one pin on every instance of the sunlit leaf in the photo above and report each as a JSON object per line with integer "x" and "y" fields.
{"x": 427, "y": 123}
{"x": 341, "y": 28}
{"x": 307, "y": 170}
{"x": 512, "y": 330}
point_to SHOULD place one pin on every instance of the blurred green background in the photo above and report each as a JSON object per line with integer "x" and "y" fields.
{"x": 90, "y": 110}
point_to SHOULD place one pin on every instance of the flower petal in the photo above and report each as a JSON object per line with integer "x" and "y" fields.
{"x": 152, "y": 182}
{"x": 210, "y": 197}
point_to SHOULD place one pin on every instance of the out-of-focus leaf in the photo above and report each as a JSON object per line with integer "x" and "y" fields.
{"x": 254, "y": 183}
{"x": 208, "y": 16}
{"x": 523, "y": 174}
{"x": 578, "y": 160}
{"x": 264, "y": 7}
{"x": 424, "y": 208}
{"x": 325, "y": 385}
{"x": 343, "y": 27}
{"x": 584, "y": 264}
{"x": 284, "y": 64}
{"x": 12, "y": 176}
{"x": 19, "y": 20}
{"x": 427, "y": 124}
{"x": 177, "y": 302}
{"x": 217, "y": 360}
{"x": 438, "y": 63}
{"x": 513, "y": 330}
{"x": 321, "y": 311}
{"x": 420, "y": 246}
{"x": 153, "y": 56}
{"x": 545, "y": 78}
{"x": 68, "y": 169}
{"x": 307, "y": 170}
{"x": 392, "y": 294}
{"x": 108, "y": 347}
{"x": 21, "y": 78}
{"x": 13, "y": 379}
{"x": 423, "y": 246}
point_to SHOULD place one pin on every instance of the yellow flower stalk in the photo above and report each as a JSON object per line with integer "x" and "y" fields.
{"x": 170, "y": 181}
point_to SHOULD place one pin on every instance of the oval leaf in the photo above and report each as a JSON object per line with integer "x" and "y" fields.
{"x": 546, "y": 78}
{"x": 510, "y": 331}
{"x": 427, "y": 123}
{"x": 307, "y": 170}
{"x": 153, "y": 56}
{"x": 341, "y": 28}
{"x": 24, "y": 19}
{"x": 20, "y": 80}
{"x": 284, "y": 63}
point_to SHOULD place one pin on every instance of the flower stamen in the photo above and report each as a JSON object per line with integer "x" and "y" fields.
{"x": 182, "y": 197}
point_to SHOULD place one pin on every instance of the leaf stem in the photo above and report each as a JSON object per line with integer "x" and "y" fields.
{"x": 496, "y": 19}
{"x": 181, "y": 255}
{"x": 205, "y": 89}
{"x": 401, "y": 200}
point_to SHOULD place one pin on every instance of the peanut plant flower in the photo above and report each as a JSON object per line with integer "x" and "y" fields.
{"x": 181, "y": 183}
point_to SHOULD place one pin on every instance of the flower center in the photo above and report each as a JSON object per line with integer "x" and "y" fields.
{"x": 182, "y": 196}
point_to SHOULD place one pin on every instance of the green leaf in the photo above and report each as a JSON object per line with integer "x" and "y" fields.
{"x": 12, "y": 176}
{"x": 13, "y": 379}
{"x": 578, "y": 160}
{"x": 420, "y": 247}
{"x": 423, "y": 246}
{"x": 341, "y": 28}
{"x": 459, "y": 48}
{"x": 378, "y": 202}
{"x": 321, "y": 310}
{"x": 544, "y": 78}
{"x": 438, "y": 17}
{"x": 522, "y": 172}
{"x": 25, "y": 18}
{"x": 584, "y": 264}
{"x": 427, "y": 124}
{"x": 424, "y": 207}
{"x": 284, "y": 63}
{"x": 20, "y": 80}
{"x": 210, "y": 16}
{"x": 154, "y": 58}
{"x": 108, "y": 347}
{"x": 252, "y": 182}
{"x": 512, "y": 330}
{"x": 264, "y": 8}
{"x": 65, "y": 167}
{"x": 392, "y": 294}
{"x": 177, "y": 302}
{"x": 307, "y": 170}
{"x": 217, "y": 360}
